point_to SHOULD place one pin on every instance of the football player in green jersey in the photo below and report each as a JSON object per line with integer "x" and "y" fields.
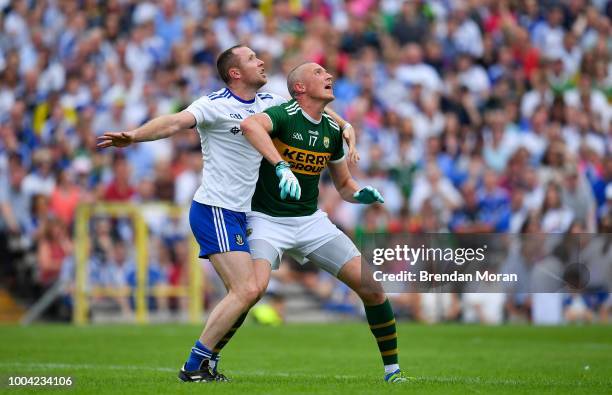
{"x": 298, "y": 141}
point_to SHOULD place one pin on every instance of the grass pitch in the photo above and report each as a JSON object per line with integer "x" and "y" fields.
{"x": 308, "y": 359}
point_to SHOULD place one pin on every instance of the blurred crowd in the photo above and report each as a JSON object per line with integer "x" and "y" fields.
{"x": 472, "y": 116}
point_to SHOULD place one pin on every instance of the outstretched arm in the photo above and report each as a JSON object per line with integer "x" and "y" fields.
{"x": 348, "y": 188}
{"x": 157, "y": 128}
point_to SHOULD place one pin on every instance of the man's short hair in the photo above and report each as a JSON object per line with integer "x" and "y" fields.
{"x": 226, "y": 61}
{"x": 293, "y": 77}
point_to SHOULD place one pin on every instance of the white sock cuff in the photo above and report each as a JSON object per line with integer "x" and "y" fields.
{"x": 391, "y": 368}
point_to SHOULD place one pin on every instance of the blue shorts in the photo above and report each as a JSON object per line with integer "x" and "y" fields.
{"x": 217, "y": 229}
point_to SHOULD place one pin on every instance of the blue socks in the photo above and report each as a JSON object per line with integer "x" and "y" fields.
{"x": 199, "y": 352}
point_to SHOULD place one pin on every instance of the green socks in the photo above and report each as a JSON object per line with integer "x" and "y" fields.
{"x": 382, "y": 325}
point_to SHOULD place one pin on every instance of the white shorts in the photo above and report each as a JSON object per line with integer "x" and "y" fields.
{"x": 312, "y": 237}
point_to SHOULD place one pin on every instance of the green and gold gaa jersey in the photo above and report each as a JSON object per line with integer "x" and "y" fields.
{"x": 308, "y": 146}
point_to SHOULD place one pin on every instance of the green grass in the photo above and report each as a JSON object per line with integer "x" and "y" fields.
{"x": 323, "y": 358}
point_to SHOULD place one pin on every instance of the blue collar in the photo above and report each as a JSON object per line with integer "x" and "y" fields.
{"x": 241, "y": 100}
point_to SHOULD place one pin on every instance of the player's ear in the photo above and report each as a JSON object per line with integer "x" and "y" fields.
{"x": 300, "y": 87}
{"x": 234, "y": 73}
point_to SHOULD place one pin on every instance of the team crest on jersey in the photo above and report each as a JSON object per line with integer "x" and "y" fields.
{"x": 235, "y": 130}
{"x": 326, "y": 142}
{"x": 239, "y": 239}
{"x": 297, "y": 136}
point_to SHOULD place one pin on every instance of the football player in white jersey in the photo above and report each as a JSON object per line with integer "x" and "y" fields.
{"x": 217, "y": 215}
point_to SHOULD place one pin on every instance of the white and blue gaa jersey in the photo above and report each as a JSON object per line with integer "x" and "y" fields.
{"x": 231, "y": 164}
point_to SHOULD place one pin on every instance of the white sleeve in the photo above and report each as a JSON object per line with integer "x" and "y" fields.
{"x": 203, "y": 110}
{"x": 277, "y": 100}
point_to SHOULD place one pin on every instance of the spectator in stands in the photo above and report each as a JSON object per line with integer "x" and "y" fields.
{"x": 464, "y": 33}
{"x": 65, "y": 197}
{"x": 553, "y": 162}
{"x": 500, "y": 140}
{"x": 433, "y": 185}
{"x": 40, "y": 214}
{"x": 534, "y": 139}
{"x": 518, "y": 210}
{"x": 600, "y": 179}
{"x": 170, "y": 272}
{"x": 358, "y": 36}
{"x": 120, "y": 188}
{"x": 413, "y": 70}
{"x": 605, "y": 212}
{"x": 112, "y": 119}
{"x": 547, "y": 35}
{"x": 42, "y": 179}
{"x": 591, "y": 101}
{"x": 473, "y": 77}
{"x": 539, "y": 95}
{"x": 156, "y": 280}
{"x": 578, "y": 197}
{"x": 164, "y": 183}
{"x": 14, "y": 216}
{"x": 428, "y": 120}
{"x": 102, "y": 241}
{"x": 189, "y": 179}
{"x": 54, "y": 245}
{"x": 556, "y": 217}
{"x": 410, "y": 25}
{"x": 109, "y": 277}
{"x": 494, "y": 203}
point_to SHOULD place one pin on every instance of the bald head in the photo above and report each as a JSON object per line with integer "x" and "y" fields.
{"x": 310, "y": 81}
{"x": 296, "y": 75}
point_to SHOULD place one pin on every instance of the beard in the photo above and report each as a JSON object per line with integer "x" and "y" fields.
{"x": 257, "y": 81}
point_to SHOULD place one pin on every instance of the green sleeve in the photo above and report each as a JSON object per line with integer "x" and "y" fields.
{"x": 279, "y": 117}
{"x": 338, "y": 152}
